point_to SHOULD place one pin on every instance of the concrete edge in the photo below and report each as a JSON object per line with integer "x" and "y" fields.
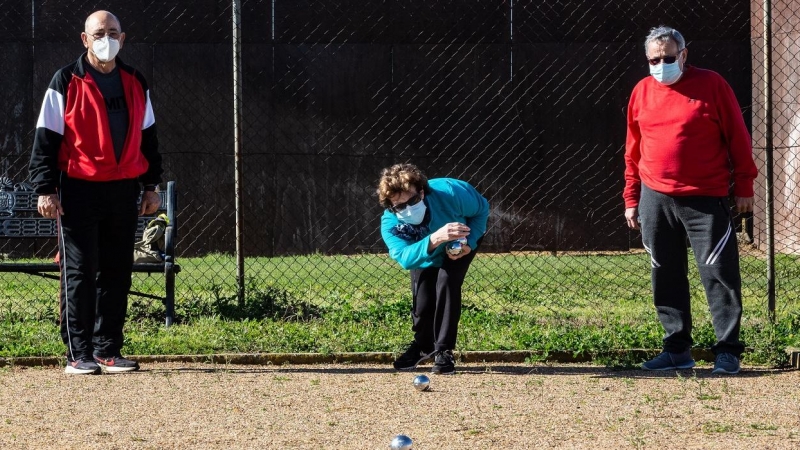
{"x": 511, "y": 356}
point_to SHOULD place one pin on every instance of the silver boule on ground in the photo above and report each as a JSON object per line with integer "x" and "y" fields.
{"x": 422, "y": 382}
{"x": 401, "y": 442}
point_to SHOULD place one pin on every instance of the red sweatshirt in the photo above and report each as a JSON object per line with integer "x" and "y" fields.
{"x": 688, "y": 138}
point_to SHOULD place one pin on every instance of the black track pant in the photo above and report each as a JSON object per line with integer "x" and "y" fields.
{"x": 666, "y": 222}
{"x": 97, "y": 235}
{"x": 436, "y": 307}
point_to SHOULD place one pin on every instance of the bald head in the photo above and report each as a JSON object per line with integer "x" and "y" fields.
{"x": 102, "y": 20}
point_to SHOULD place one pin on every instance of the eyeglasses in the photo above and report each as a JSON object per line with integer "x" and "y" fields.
{"x": 401, "y": 206}
{"x": 666, "y": 59}
{"x": 100, "y": 35}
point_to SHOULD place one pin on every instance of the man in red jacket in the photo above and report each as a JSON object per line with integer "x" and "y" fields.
{"x": 686, "y": 143}
{"x": 95, "y": 149}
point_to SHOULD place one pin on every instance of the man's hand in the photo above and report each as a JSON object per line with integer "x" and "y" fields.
{"x": 49, "y": 206}
{"x": 632, "y": 217}
{"x": 744, "y": 204}
{"x": 150, "y": 203}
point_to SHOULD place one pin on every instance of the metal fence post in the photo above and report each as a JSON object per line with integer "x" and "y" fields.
{"x": 768, "y": 159}
{"x": 237, "y": 148}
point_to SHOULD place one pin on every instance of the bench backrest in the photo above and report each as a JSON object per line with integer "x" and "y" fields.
{"x": 20, "y": 219}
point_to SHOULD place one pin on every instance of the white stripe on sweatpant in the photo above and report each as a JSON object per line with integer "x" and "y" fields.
{"x": 712, "y": 258}
{"x": 62, "y": 249}
{"x": 63, "y": 257}
{"x": 653, "y": 263}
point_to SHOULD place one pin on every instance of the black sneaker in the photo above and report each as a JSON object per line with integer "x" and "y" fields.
{"x": 114, "y": 364}
{"x": 81, "y": 366}
{"x": 412, "y": 357}
{"x": 444, "y": 363}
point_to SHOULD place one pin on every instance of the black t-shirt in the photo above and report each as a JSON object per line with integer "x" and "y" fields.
{"x": 110, "y": 85}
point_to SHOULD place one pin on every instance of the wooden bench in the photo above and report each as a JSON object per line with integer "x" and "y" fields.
{"x": 19, "y": 219}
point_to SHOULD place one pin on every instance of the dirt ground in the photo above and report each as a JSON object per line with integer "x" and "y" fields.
{"x": 363, "y": 406}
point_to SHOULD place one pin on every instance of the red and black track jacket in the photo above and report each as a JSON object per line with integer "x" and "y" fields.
{"x": 73, "y": 135}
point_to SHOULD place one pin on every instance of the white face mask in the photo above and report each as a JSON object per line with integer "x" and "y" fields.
{"x": 666, "y": 73}
{"x": 412, "y": 214}
{"x": 105, "y": 49}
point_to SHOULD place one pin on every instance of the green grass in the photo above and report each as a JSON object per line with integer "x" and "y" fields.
{"x": 585, "y": 304}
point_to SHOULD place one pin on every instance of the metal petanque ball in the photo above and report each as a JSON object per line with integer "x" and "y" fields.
{"x": 455, "y": 247}
{"x": 422, "y": 382}
{"x": 401, "y": 442}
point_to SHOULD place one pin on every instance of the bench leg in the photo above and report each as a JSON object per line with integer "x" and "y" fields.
{"x": 169, "y": 302}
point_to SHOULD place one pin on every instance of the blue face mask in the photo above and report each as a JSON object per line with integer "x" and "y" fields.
{"x": 412, "y": 214}
{"x": 666, "y": 73}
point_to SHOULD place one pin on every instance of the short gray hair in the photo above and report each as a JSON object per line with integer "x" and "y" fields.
{"x": 664, "y": 34}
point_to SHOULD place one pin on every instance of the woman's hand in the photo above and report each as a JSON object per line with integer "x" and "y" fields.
{"x": 449, "y": 232}
{"x": 465, "y": 250}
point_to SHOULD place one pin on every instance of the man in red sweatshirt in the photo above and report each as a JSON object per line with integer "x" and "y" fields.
{"x": 686, "y": 143}
{"x": 95, "y": 149}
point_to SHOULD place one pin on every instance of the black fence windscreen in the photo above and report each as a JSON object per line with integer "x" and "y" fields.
{"x": 524, "y": 99}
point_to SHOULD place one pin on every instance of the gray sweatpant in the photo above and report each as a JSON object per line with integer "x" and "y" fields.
{"x": 666, "y": 222}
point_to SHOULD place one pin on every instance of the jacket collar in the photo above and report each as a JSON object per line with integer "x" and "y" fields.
{"x": 80, "y": 66}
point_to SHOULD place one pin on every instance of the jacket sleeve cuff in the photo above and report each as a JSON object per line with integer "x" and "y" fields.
{"x": 45, "y": 189}
{"x": 743, "y": 191}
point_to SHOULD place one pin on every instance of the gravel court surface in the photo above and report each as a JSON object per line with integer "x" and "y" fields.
{"x": 363, "y": 406}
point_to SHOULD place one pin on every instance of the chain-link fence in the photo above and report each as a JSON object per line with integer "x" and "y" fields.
{"x": 524, "y": 99}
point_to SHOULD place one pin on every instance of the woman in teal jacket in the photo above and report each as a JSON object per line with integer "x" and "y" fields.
{"x": 433, "y": 229}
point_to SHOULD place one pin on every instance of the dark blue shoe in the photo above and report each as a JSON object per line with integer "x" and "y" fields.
{"x": 670, "y": 361}
{"x": 726, "y": 364}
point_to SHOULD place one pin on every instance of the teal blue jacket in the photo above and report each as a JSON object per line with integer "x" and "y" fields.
{"x": 447, "y": 200}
